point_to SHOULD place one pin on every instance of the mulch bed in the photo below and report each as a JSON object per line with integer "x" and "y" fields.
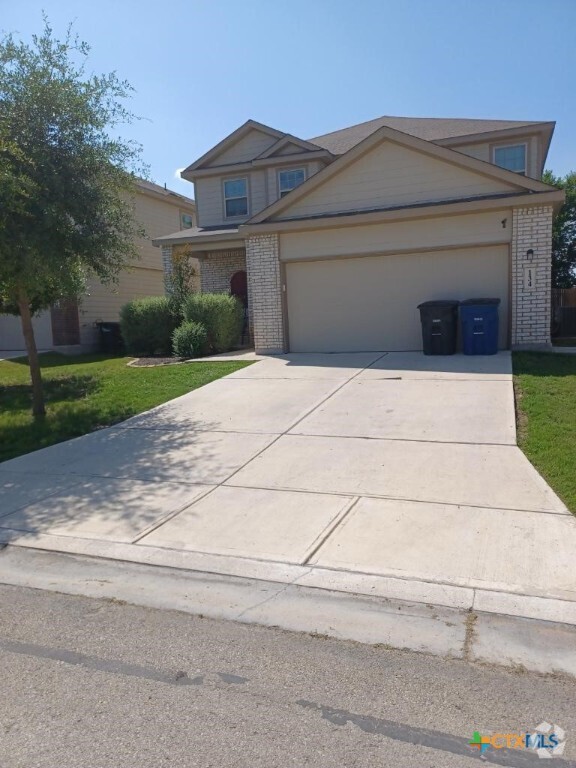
{"x": 149, "y": 362}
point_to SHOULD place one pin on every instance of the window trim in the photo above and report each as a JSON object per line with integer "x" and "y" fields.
{"x": 186, "y": 213}
{"x": 287, "y": 170}
{"x": 239, "y": 197}
{"x": 509, "y": 145}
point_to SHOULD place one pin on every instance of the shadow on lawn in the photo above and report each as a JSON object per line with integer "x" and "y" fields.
{"x": 57, "y": 360}
{"x": 18, "y": 397}
{"x": 543, "y": 364}
{"x": 69, "y": 414}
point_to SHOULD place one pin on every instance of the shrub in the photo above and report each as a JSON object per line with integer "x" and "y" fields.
{"x": 220, "y": 314}
{"x": 179, "y": 282}
{"x": 189, "y": 339}
{"x": 147, "y": 325}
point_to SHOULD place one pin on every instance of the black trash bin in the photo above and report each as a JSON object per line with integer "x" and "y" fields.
{"x": 111, "y": 341}
{"x": 439, "y": 326}
{"x": 479, "y": 319}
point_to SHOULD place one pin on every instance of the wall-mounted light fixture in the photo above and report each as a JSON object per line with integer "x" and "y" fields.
{"x": 530, "y": 254}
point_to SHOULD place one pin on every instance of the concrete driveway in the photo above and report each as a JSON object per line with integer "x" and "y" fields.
{"x": 385, "y": 474}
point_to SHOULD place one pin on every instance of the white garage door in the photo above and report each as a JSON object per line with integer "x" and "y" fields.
{"x": 370, "y": 303}
{"x": 11, "y": 337}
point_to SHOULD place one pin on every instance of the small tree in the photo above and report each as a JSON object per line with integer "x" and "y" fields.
{"x": 66, "y": 183}
{"x": 564, "y": 232}
{"x": 179, "y": 283}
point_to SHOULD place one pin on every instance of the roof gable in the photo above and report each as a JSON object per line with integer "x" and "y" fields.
{"x": 243, "y": 144}
{"x": 392, "y": 168}
{"x": 288, "y": 145}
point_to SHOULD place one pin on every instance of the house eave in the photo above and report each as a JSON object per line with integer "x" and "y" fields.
{"x": 416, "y": 211}
{"x": 266, "y": 162}
{"x": 320, "y": 154}
{"x": 207, "y": 241}
{"x": 503, "y": 134}
{"x": 168, "y": 197}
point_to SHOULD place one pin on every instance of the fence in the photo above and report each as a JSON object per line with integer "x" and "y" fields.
{"x": 564, "y": 312}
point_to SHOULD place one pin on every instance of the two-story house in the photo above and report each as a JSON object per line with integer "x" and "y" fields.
{"x": 334, "y": 241}
{"x": 72, "y": 326}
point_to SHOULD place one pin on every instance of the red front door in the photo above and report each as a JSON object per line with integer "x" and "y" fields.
{"x": 239, "y": 286}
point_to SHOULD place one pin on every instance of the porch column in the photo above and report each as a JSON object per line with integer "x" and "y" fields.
{"x": 265, "y": 293}
{"x": 531, "y": 276}
{"x": 167, "y": 264}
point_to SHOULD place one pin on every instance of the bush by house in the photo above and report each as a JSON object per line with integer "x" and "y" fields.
{"x": 204, "y": 323}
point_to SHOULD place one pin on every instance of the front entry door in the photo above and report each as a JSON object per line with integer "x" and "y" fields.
{"x": 239, "y": 286}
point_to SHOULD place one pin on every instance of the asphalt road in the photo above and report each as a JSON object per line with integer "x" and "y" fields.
{"x": 89, "y": 683}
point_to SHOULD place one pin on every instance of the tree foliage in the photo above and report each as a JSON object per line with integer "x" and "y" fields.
{"x": 564, "y": 232}
{"x": 179, "y": 282}
{"x": 66, "y": 178}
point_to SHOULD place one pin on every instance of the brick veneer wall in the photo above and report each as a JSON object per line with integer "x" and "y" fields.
{"x": 531, "y": 307}
{"x": 265, "y": 293}
{"x": 217, "y": 268}
{"x": 215, "y": 272}
{"x": 167, "y": 263}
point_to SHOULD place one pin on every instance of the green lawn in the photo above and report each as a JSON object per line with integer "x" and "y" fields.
{"x": 87, "y": 392}
{"x": 545, "y": 387}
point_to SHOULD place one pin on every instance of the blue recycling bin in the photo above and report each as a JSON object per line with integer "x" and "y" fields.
{"x": 479, "y": 322}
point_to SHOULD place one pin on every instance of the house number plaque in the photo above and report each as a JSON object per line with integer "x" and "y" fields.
{"x": 529, "y": 278}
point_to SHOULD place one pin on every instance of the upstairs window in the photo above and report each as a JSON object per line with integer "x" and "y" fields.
{"x": 186, "y": 221}
{"x": 236, "y": 198}
{"x": 513, "y": 158}
{"x": 289, "y": 180}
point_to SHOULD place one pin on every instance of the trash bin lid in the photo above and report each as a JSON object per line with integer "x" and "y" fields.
{"x": 440, "y": 303}
{"x": 480, "y": 301}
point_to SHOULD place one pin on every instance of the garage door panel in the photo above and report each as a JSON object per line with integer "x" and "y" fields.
{"x": 370, "y": 303}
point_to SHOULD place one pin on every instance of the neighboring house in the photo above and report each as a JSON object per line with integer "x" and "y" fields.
{"x": 72, "y": 326}
{"x": 343, "y": 235}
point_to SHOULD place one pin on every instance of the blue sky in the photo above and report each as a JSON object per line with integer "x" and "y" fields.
{"x": 202, "y": 67}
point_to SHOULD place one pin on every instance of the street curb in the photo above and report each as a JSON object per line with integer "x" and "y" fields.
{"x": 558, "y": 608}
{"x": 523, "y": 644}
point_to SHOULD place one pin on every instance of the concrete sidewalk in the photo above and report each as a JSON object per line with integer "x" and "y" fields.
{"x": 12, "y": 354}
{"x": 391, "y": 475}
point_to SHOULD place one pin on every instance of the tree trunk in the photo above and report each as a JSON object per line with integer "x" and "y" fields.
{"x": 38, "y": 408}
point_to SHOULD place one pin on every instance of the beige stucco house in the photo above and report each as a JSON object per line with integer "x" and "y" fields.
{"x": 343, "y": 235}
{"x": 72, "y": 326}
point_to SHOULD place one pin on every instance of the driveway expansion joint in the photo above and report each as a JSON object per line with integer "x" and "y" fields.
{"x": 337, "y": 523}
{"x": 401, "y": 439}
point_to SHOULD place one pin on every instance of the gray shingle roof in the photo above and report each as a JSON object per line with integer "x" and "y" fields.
{"x": 190, "y": 234}
{"x": 145, "y": 184}
{"x": 429, "y": 128}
